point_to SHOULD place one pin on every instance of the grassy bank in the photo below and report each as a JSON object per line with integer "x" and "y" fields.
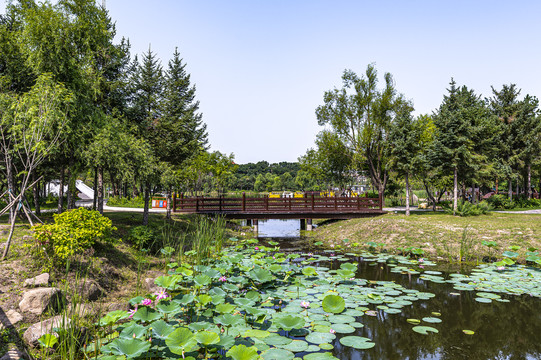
{"x": 437, "y": 234}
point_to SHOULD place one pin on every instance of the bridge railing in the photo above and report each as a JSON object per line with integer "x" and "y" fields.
{"x": 273, "y": 205}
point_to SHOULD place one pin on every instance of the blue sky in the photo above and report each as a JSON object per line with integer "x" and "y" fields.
{"x": 261, "y": 67}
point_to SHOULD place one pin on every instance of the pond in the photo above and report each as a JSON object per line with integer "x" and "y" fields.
{"x": 502, "y": 330}
{"x": 278, "y": 298}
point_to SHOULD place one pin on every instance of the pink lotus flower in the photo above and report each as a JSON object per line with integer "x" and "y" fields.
{"x": 500, "y": 268}
{"x": 161, "y": 295}
{"x": 256, "y": 248}
{"x": 421, "y": 266}
{"x": 332, "y": 331}
{"x": 305, "y": 304}
{"x": 222, "y": 279}
{"x": 146, "y": 302}
{"x": 421, "y": 260}
{"x": 132, "y": 311}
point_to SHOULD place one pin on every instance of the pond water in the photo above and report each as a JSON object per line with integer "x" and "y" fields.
{"x": 502, "y": 330}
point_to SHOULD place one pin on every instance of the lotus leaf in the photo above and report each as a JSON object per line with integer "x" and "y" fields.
{"x": 424, "y": 329}
{"x": 168, "y": 282}
{"x": 260, "y": 275}
{"x": 433, "y": 320}
{"x": 113, "y": 317}
{"x": 334, "y": 304}
{"x": 225, "y": 308}
{"x": 289, "y": 322}
{"x": 207, "y": 338}
{"x": 181, "y": 340}
{"x": 132, "y": 330}
{"x": 357, "y": 342}
{"x": 228, "y": 320}
{"x": 198, "y": 326}
{"x": 161, "y": 329}
{"x": 326, "y": 346}
{"x": 146, "y": 314}
{"x": 242, "y": 352}
{"x": 296, "y": 346}
{"x": 320, "y": 338}
{"x": 277, "y": 354}
{"x": 277, "y": 340}
{"x": 168, "y": 307}
{"x": 130, "y": 348}
{"x": 201, "y": 280}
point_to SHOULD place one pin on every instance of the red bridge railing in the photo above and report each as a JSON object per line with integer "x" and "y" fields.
{"x": 245, "y": 204}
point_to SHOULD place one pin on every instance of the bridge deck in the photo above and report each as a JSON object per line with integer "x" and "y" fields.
{"x": 281, "y": 208}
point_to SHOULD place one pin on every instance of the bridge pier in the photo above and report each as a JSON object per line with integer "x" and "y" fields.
{"x": 303, "y": 224}
{"x": 255, "y": 225}
{"x": 308, "y": 224}
{"x": 248, "y": 222}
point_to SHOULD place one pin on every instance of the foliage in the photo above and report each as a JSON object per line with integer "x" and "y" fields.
{"x": 465, "y": 208}
{"x": 72, "y": 232}
{"x": 142, "y": 236}
{"x": 135, "y": 202}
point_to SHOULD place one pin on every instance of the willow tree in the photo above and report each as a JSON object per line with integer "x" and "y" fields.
{"x": 361, "y": 116}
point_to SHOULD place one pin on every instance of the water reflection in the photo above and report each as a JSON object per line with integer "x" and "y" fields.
{"x": 502, "y": 330}
{"x": 279, "y": 228}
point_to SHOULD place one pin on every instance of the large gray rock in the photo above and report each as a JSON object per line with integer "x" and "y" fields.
{"x": 37, "y": 301}
{"x": 40, "y": 280}
{"x": 9, "y": 319}
{"x": 90, "y": 290}
{"x": 34, "y": 332}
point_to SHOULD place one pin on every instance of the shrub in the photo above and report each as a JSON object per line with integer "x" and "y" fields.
{"x": 142, "y": 236}
{"x": 500, "y": 202}
{"x": 465, "y": 208}
{"x": 72, "y": 232}
{"x": 136, "y": 202}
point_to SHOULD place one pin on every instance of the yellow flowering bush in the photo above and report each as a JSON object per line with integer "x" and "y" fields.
{"x": 72, "y": 232}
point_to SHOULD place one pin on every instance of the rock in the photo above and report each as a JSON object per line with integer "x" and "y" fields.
{"x": 90, "y": 290}
{"x": 37, "y": 301}
{"x": 38, "y": 281}
{"x": 151, "y": 286}
{"x": 34, "y": 332}
{"x": 9, "y": 319}
{"x": 13, "y": 355}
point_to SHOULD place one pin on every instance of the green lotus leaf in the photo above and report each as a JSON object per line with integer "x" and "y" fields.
{"x": 483, "y": 300}
{"x": 345, "y": 274}
{"x": 414, "y": 321}
{"x": 357, "y": 342}
{"x": 48, "y": 340}
{"x": 207, "y": 338}
{"x": 242, "y": 352}
{"x": 204, "y": 299}
{"x": 277, "y": 354}
{"x": 201, "y": 280}
{"x": 230, "y": 287}
{"x": 181, "y": 340}
{"x": 510, "y": 254}
{"x": 185, "y": 300}
{"x": 296, "y": 346}
{"x": 113, "y": 317}
{"x": 309, "y": 271}
{"x": 468, "y": 332}
{"x": 288, "y": 322}
{"x": 168, "y": 307}
{"x": 146, "y": 314}
{"x": 255, "y": 333}
{"x": 132, "y": 330}
{"x": 253, "y": 295}
{"x": 228, "y": 320}
{"x": 225, "y": 308}
{"x": 424, "y": 329}
{"x": 168, "y": 282}
{"x": 260, "y": 275}
{"x": 226, "y": 341}
{"x": 161, "y": 329}
{"x": 334, "y": 304}
{"x": 319, "y": 356}
{"x": 277, "y": 340}
{"x": 349, "y": 266}
{"x": 343, "y": 328}
{"x": 130, "y": 348}
{"x": 275, "y": 268}
{"x": 320, "y": 338}
{"x": 198, "y": 326}
{"x": 326, "y": 346}
{"x": 433, "y": 320}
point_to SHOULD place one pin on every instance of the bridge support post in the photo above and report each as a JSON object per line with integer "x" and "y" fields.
{"x": 309, "y": 225}
{"x": 303, "y": 224}
{"x": 255, "y": 225}
{"x": 248, "y": 222}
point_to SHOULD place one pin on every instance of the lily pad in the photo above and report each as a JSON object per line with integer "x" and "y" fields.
{"x": 357, "y": 342}
{"x": 424, "y": 329}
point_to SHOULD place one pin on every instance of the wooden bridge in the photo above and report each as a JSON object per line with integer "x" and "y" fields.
{"x": 308, "y": 207}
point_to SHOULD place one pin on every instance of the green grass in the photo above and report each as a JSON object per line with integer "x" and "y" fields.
{"x": 439, "y": 234}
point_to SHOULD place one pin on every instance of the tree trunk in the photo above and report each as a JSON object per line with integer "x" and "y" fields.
{"x": 10, "y": 236}
{"x": 517, "y": 192}
{"x": 510, "y": 188}
{"x": 529, "y": 181}
{"x": 35, "y": 192}
{"x": 168, "y": 214}
{"x": 100, "y": 190}
{"x": 473, "y": 196}
{"x": 455, "y": 190}
{"x": 11, "y": 187}
{"x": 147, "y": 203}
{"x": 61, "y": 192}
{"x": 95, "y": 197}
{"x": 407, "y": 195}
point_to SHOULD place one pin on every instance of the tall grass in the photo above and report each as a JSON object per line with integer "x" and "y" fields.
{"x": 207, "y": 238}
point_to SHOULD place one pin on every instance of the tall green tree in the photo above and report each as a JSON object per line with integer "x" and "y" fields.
{"x": 361, "y": 115}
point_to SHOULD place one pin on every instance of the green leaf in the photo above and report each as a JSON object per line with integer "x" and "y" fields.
{"x": 146, "y": 314}
{"x": 207, "y": 338}
{"x": 357, "y": 342}
{"x": 334, "y": 304}
{"x": 130, "y": 348}
{"x": 289, "y": 322}
{"x": 424, "y": 329}
{"x": 48, "y": 340}
{"x": 181, "y": 340}
{"x": 242, "y": 352}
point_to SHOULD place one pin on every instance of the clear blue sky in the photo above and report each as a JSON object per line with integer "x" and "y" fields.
{"x": 261, "y": 67}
